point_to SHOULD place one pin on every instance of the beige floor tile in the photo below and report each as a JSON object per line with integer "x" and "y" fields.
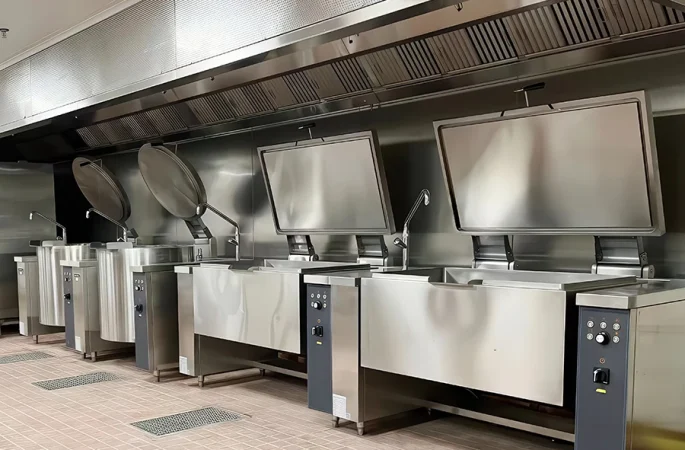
{"x": 275, "y": 412}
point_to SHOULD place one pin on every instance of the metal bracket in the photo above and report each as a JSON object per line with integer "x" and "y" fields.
{"x": 372, "y": 250}
{"x": 616, "y": 255}
{"x": 300, "y": 248}
{"x": 198, "y": 229}
{"x": 493, "y": 252}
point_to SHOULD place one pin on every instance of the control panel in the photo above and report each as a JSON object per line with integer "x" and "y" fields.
{"x": 140, "y": 320}
{"x": 601, "y": 389}
{"x": 319, "y": 349}
{"x": 68, "y": 288}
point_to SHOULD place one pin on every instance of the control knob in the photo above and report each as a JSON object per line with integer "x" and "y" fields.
{"x": 602, "y": 338}
{"x": 317, "y": 305}
{"x": 67, "y": 296}
{"x": 139, "y": 308}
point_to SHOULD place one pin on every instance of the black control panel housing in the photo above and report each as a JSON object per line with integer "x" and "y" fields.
{"x": 319, "y": 350}
{"x": 69, "y": 331}
{"x": 602, "y": 381}
{"x": 140, "y": 313}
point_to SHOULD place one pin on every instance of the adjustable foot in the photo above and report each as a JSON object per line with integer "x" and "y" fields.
{"x": 94, "y": 356}
{"x": 262, "y": 372}
{"x": 35, "y": 339}
{"x": 201, "y": 381}
{"x": 156, "y": 374}
{"x": 360, "y": 428}
{"x": 336, "y": 422}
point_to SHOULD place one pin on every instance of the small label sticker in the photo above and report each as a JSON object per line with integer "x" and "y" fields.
{"x": 183, "y": 365}
{"x": 77, "y": 343}
{"x": 340, "y": 407}
{"x": 22, "y": 328}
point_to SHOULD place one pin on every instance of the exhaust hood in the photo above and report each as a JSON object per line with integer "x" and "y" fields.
{"x": 414, "y": 48}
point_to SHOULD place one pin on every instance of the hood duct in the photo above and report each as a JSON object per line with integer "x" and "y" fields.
{"x": 368, "y": 68}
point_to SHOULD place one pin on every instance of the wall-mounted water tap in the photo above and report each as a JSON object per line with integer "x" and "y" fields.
{"x": 236, "y": 239}
{"x": 425, "y": 198}
{"x": 128, "y": 233}
{"x": 32, "y": 214}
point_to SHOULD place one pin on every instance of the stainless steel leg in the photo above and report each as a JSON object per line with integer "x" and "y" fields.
{"x": 94, "y": 356}
{"x": 35, "y": 339}
{"x": 360, "y": 428}
{"x": 262, "y": 372}
{"x": 155, "y": 373}
{"x": 201, "y": 380}
{"x": 84, "y": 355}
{"x": 336, "y": 422}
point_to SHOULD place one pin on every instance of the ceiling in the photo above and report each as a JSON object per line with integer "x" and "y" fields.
{"x": 37, "y": 24}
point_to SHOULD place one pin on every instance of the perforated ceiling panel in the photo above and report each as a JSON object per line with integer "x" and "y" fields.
{"x": 207, "y": 28}
{"x": 135, "y": 44}
{"x": 15, "y": 92}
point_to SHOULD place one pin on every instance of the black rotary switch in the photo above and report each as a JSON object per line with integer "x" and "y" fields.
{"x": 139, "y": 308}
{"x": 602, "y": 338}
{"x": 67, "y": 296}
{"x": 317, "y": 305}
{"x": 600, "y": 375}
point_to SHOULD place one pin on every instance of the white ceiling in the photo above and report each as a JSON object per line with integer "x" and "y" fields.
{"x": 37, "y": 24}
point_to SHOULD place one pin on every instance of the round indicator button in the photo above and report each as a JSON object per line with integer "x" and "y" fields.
{"x": 617, "y": 326}
{"x": 616, "y": 339}
{"x": 603, "y": 325}
{"x": 590, "y": 337}
{"x": 590, "y": 324}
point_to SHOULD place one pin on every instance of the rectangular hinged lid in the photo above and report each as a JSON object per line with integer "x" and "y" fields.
{"x": 333, "y": 185}
{"x": 580, "y": 167}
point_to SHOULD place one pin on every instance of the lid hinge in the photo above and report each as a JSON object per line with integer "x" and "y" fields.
{"x": 493, "y": 252}
{"x": 300, "y": 248}
{"x": 619, "y": 255}
{"x": 372, "y": 250}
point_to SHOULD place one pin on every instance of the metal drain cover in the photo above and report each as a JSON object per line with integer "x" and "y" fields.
{"x": 161, "y": 426}
{"x": 79, "y": 380}
{"x": 20, "y": 357}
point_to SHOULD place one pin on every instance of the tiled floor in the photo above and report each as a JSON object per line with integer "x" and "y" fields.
{"x": 98, "y": 416}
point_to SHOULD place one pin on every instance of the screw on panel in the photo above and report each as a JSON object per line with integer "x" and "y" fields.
{"x": 3, "y": 32}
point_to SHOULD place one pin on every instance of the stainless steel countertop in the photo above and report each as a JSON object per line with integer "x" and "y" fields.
{"x": 349, "y": 278}
{"x": 79, "y": 264}
{"x": 561, "y": 281}
{"x": 643, "y": 294}
{"x": 309, "y": 267}
{"x": 25, "y": 258}
{"x": 180, "y": 267}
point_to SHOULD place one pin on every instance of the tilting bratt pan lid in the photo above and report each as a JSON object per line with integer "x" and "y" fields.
{"x": 101, "y": 188}
{"x": 173, "y": 181}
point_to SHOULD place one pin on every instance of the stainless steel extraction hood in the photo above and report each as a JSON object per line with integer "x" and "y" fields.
{"x": 364, "y": 53}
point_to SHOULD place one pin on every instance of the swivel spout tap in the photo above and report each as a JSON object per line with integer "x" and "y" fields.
{"x": 236, "y": 239}
{"x": 425, "y": 197}
{"x": 123, "y": 227}
{"x": 52, "y": 221}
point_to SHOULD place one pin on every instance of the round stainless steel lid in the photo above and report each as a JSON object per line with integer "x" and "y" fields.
{"x": 101, "y": 188}
{"x": 173, "y": 181}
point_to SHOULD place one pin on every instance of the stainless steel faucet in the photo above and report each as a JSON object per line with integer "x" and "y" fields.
{"x": 425, "y": 197}
{"x": 234, "y": 241}
{"x": 52, "y": 221}
{"x": 123, "y": 227}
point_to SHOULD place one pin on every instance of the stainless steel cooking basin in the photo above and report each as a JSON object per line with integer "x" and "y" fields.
{"x": 468, "y": 327}
{"x": 49, "y": 254}
{"x": 115, "y": 283}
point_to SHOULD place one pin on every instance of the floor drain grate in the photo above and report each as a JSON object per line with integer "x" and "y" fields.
{"x": 79, "y": 380}
{"x": 161, "y": 426}
{"x": 20, "y": 357}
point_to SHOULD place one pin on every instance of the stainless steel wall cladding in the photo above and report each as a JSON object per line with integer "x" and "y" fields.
{"x": 15, "y": 92}
{"x": 135, "y": 44}
{"x": 206, "y": 28}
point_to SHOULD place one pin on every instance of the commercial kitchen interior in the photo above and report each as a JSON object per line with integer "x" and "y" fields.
{"x": 351, "y": 224}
